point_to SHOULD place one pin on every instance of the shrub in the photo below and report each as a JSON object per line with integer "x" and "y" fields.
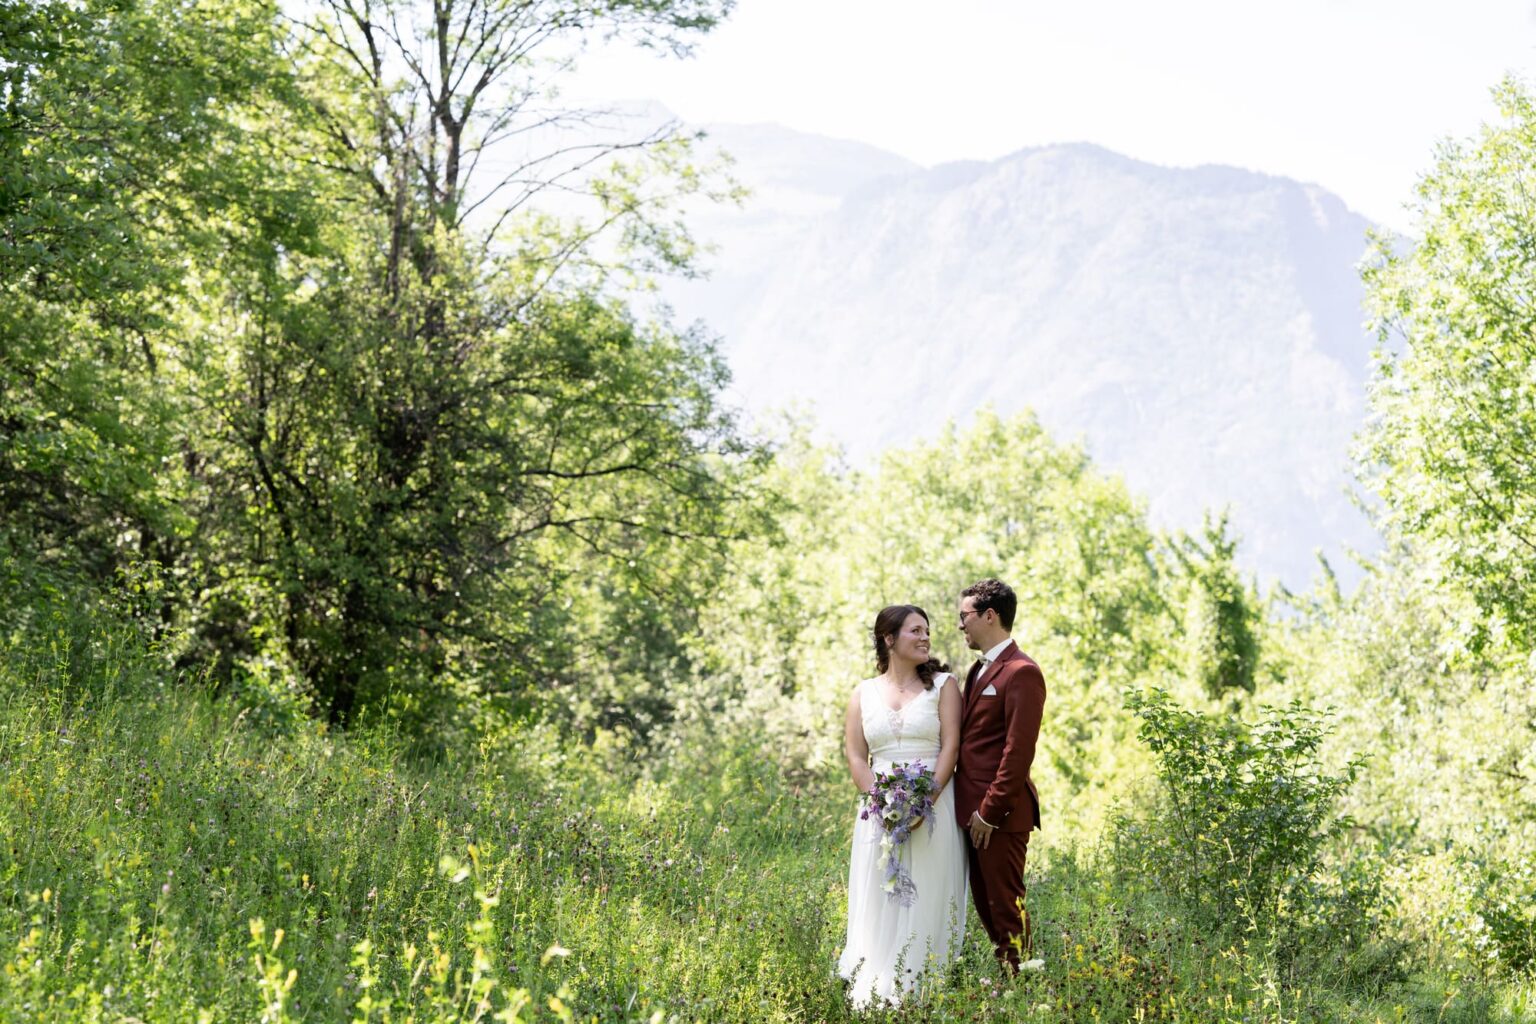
{"x": 1244, "y": 814}
{"x": 1504, "y": 899}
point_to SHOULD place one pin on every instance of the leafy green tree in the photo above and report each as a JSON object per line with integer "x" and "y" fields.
{"x": 1393, "y": 655}
{"x": 442, "y": 430}
{"x": 387, "y": 434}
{"x": 123, "y": 159}
{"x": 1220, "y": 613}
{"x": 1452, "y": 448}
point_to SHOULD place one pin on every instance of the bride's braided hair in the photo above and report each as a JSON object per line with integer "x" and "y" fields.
{"x": 889, "y": 621}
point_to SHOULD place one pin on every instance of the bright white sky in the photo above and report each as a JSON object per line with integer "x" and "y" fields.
{"x": 1349, "y": 94}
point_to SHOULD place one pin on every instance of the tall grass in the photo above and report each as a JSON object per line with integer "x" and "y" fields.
{"x": 169, "y": 859}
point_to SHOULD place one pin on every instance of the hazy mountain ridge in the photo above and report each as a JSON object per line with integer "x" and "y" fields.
{"x": 1200, "y": 329}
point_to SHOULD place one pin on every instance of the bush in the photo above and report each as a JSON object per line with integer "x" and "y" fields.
{"x": 1490, "y": 915}
{"x": 1243, "y": 815}
{"x": 1506, "y": 896}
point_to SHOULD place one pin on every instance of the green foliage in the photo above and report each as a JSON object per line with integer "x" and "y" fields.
{"x": 1451, "y": 445}
{"x": 1504, "y": 891}
{"x": 1444, "y": 808}
{"x": 450, "y": 433}
{"x": 1221, "y": 645}
{"x": 1437, "y": 644}
{"x": 784, "y": 637}
{"x": 1244, "y": 815}
{"x": 259, "y": 340}
{"x": 123, "y": 158}
{"x": 1396, "y": 656}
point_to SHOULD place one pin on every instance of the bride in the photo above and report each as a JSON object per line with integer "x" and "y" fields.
{"x": 910, "y": 712}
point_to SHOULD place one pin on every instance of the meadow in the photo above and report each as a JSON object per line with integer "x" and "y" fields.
{"x": 171, "y": 860}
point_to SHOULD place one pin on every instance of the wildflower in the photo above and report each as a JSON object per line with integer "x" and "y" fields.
{"x": 900, "y": 799}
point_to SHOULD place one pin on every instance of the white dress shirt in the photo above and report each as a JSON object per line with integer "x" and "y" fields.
{"x": 995, "y": 653}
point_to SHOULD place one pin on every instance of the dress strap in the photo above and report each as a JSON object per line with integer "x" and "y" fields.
{"x": 869, "y": 692}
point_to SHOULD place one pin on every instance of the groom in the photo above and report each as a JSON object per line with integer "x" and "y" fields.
{"x": 995, "y": 800}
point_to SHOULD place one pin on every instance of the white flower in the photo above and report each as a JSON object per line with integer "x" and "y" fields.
{"x": 1032, "y": 965}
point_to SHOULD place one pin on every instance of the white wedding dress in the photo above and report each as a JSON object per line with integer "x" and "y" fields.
{"x": 890, "y": 947}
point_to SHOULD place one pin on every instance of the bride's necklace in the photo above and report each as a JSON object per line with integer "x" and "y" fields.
{"x": 896, "y": 718}
{"x": 903, "y": 689}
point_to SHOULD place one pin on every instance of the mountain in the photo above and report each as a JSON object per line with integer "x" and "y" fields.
{"x": 1199, "y": 329}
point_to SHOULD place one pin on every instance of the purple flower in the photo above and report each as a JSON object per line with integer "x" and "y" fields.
{"x": 899, "y": 800}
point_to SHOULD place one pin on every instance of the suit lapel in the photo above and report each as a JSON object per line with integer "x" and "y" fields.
{"x": 971, "y": 686}
{"x": 996, "y": 666}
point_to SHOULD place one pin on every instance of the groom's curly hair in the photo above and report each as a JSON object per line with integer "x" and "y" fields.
{"x": 994, "y": 594}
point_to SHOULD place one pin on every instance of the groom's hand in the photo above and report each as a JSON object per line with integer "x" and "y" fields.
{"x": 981, "y": 832}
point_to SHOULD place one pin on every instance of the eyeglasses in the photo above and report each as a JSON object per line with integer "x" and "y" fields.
{"x": 963, "y": 615}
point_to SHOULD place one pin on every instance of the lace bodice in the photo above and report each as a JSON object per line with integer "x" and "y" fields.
{"x": 908, "y": 734}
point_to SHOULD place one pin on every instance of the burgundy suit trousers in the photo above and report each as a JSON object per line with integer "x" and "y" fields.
{"x": 997, "y": 889}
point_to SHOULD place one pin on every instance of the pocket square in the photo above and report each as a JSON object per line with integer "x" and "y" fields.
{"x": 990, "y": 691}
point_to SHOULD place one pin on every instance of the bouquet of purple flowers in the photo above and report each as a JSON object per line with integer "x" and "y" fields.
{"x": 900, "y": 800}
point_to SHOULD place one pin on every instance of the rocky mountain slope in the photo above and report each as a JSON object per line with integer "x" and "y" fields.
{"x": 1199, "y": 329}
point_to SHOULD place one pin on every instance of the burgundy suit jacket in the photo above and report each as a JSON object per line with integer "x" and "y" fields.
{"x": 998, "y": 732}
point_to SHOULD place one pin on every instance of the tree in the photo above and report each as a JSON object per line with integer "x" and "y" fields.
{"x": 122, "y": 157}
{"x": 1452, "y": 448}
{"x": 1221, "y": 644}
{"x": 264, "y": 334}
{"x": 441, "y": 426}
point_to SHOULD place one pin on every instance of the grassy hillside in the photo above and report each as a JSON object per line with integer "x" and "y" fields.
{"x": 170, "y": 860}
